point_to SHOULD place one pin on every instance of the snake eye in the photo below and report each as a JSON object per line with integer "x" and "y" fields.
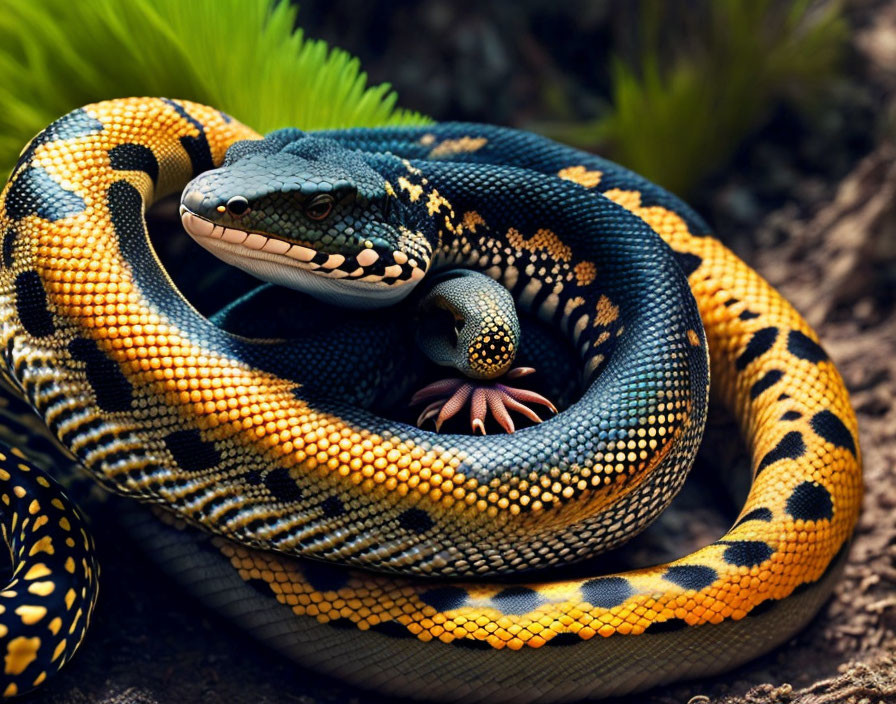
{"x": 237, "y": 206}
{"x": 319, "y": 207}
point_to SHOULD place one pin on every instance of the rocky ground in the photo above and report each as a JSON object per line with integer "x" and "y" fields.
{"x": 813, "y": 208}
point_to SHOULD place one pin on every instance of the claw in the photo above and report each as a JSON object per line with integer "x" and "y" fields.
{"x": 528, "y": 396}
{"x": 519, "y": 372}
{"x": 453, "y": 405}
{"x": 478, "y": 410}
{"x": 448, "y": 396}
{"x": 431, "y": 411}
{"x": 498, "y": 408}
{"x": 513, "y": 405}
{"x": 443, "y": 387}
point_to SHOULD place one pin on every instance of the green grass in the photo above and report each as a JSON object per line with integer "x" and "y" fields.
{"x": 242, "y": 56}
{"x": 705, "y": 75}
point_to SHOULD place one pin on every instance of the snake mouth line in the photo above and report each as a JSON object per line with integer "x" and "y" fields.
{"x": 366, "y": 267}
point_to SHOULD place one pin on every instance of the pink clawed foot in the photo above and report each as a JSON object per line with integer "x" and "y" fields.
{"x": 447, "y": 397}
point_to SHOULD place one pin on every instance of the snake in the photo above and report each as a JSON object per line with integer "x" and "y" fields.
{"x": 396, "y": 557}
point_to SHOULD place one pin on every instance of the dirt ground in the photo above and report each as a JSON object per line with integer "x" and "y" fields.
{"x": 827, "y": 240}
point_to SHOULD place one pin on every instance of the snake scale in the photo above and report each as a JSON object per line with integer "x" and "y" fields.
{"x": 271, "y": 446}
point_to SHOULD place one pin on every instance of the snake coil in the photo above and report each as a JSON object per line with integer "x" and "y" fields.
{"x": 220, "y": 430}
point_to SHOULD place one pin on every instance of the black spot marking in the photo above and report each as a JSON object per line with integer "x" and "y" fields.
{"x": 791, "y": 446}
{"x": 759, "y": 344}
{"x": 34, "y": 192}
{"x": 125, "y": 211}
{"x": 282, "y": 486}
{"x": 810, "y": 501}
{"x": 255, "y": 524}
{"x": 197, "y": 147}
{"x": 253, "y": 476}
{"x": 768, "y": 380}
{"x": 324, "y": 577}
{"x": 606, "y": 592}
{"x": 9, "y": 240}
{"x": 694, "y": 577}
{"x": 77, "y": 123}
{"x": 748, "y": 315}
{"x": 89, "y": 426}
{"x": 731, "y": 301}
{"x": 112, "y": 390}
{"x": 191, "y": 452}
{"x": 688, "y": 262}
{"x": 757, "y": 514}
{"x": 332, "y": 507}
{"x": 135, "y": 157}
{"x": 804, "y": 347}
{"x": 832, "y": 429}
{"x": 565, "y": 639}
{"x": 746, "y": 553}
{"x": 517, "y": 600}
{"x": 667, "y": 626}
{"x": 260, "y": 586}
{"x": 342, "y": 623}
{"x": 31, "y": 305}
{"x": 445, "y": 598}
{"x": 392, "y": 629}
{"x": 792, "y": 415}
{"x": 471, "y": 644}
{"x": 415, "y": 520}
{"x": 228, "y": 514}
{"x": 783, "y": 397}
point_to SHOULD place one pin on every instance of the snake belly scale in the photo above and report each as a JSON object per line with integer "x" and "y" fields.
{"x": 280, "y": 465}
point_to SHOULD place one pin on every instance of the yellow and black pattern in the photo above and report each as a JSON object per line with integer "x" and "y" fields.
{"x": 161, "y": 405}
{"x": 46, "y": 605}
{"x": 184, "y": 414}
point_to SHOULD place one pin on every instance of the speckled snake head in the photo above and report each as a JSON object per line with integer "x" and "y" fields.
{"x": 309, "y": 214}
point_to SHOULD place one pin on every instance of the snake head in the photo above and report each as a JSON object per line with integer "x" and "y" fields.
{"x": 307, "y": 213}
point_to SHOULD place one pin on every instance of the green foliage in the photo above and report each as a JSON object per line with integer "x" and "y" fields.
{"x": 242, "y": 56}
{"x": 679, "y": 112}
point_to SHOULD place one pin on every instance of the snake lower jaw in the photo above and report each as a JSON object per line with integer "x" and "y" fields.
{"x": 333, "y": 278}
{"x": 327, "y": 287}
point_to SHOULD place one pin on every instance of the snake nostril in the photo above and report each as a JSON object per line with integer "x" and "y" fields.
{"x": 237, "y": 206}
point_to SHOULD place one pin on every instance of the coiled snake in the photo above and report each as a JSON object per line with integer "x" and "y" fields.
{"x": 271, "y": 444}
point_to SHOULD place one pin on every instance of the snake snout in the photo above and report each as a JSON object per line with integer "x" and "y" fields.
{"x": 213, "y": 208}
{"x": 193, "y": 200}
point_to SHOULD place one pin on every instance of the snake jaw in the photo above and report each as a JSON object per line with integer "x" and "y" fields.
{"x": 333, "y": 278}
{"x": 370, "y": 265}
{"x": 447, "y": 397}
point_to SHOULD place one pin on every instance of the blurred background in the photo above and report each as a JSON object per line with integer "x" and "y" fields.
{"x": 774, "y": 118}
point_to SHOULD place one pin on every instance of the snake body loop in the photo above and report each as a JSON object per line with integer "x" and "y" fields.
{"x": 271, "y": 446}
